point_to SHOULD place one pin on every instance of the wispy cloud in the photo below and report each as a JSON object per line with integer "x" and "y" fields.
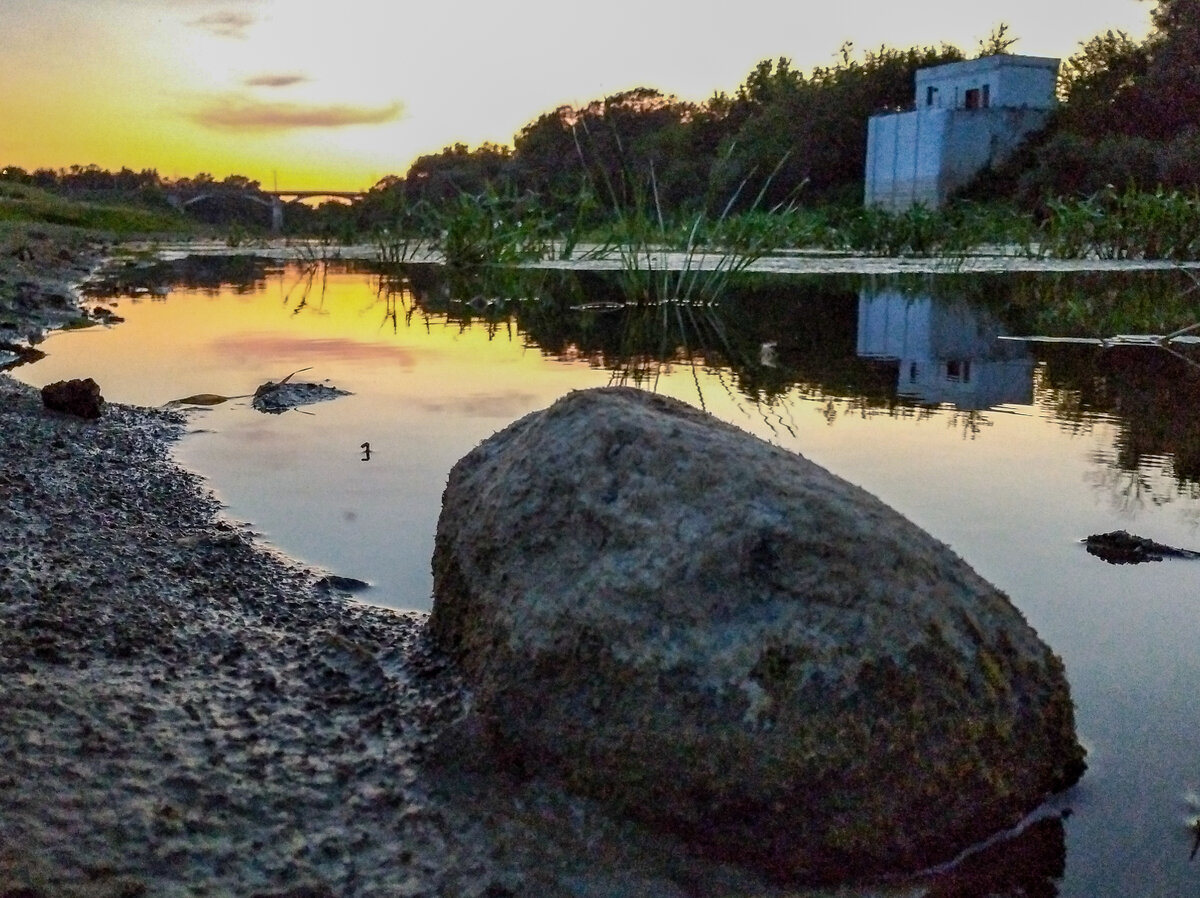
{"x": 227, "y": 23}
{"x": 275, "y": 80}
{"x": 240, "y": 114}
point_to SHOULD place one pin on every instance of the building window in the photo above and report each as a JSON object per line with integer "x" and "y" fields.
{"x": 930, "y": 95}
{"x": 972, "y": 98}
{"x": 959, "y": 370}
{"x": 985, "y": 98}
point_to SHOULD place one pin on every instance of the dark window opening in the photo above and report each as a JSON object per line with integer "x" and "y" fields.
{"x": 972, "y": 98}
{"x": 985, "y": 99}
{"x": 930, "y": 95}
{"x": 959, "y": 370}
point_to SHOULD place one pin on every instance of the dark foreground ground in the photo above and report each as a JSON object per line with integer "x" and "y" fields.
{"x": 185, "y": 712}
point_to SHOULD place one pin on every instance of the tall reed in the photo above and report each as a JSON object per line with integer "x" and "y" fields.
{"x": 1124, "y": 225}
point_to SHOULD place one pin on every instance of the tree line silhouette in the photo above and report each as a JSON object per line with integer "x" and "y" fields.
{"x": 1129, "y": 117}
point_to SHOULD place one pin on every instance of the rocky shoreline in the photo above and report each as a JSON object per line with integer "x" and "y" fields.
{"x": 184, "y": 712}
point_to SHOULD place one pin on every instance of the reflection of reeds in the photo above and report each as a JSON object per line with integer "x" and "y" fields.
{"x": 305, "y": 283}
{"x": 395, "y": 291}
{"x": 655, "y": 340}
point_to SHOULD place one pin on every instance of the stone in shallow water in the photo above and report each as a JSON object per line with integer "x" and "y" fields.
{"x": 1123, "y": 547}
{"x": 724, "y": 639}
{"x": 336, "y": 583}
{"x": 279, "y": 397}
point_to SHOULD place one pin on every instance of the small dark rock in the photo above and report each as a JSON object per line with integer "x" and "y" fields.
{"x": 106, "y": 316}
{"x": 334, "y": 583}
{"x": 1123, "y": 547}
{"x": 280, "y": 397}
{"x": 74, "y": 397}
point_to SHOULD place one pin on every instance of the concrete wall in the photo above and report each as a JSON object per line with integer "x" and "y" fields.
{"x": 979, "y": 138}
{"x": 904, "y": 158}
{"x": 1029, "y": 87}
{"x": 924, "y": 156}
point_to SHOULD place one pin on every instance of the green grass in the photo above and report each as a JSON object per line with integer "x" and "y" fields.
{"x": 22, "y": 204}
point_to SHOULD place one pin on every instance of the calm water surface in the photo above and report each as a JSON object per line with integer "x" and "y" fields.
{"x": 1009, "y": 453}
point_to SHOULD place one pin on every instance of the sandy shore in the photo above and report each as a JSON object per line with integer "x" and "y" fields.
{"x": 185, "y": 712}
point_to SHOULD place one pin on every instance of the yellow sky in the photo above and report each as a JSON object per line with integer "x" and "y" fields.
{"x": 307, "y": 94}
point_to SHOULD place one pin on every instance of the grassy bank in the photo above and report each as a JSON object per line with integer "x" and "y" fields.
{"x": 21, "y": 204}
{"x": 49, "y": 242}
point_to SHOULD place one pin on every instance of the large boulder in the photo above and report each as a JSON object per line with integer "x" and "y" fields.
{"x": 724, "y": 639}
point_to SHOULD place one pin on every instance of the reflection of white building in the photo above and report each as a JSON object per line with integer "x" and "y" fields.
{"x": 968, "y": 116}
{"x": 948, "y": 351}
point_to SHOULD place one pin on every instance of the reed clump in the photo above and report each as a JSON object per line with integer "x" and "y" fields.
{"x": 1129, "y": 224}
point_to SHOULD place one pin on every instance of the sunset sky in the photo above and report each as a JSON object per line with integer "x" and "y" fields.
{"x": 305, "y": 94}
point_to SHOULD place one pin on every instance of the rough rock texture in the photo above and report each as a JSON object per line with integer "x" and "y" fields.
{"x": 728, "y": 641}
{"x": 280, "y": 397}
{"x": 74, "y": 397}
{"x": 183, "y": 713}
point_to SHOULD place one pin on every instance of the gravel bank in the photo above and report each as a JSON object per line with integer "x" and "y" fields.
{"x": 184, "y": 712}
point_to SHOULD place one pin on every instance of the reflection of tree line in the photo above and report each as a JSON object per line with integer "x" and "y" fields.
{"x": 772, "y": 338}
{"x": 1153, "y": 395}
{"x": 205, "y": 274}
{"x": 1150, "y": 392}
{"x": 810, "y": 326}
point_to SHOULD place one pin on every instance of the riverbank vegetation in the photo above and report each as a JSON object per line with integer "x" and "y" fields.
{"x": 25, "y": 204}
{"x": 775, "y": 165}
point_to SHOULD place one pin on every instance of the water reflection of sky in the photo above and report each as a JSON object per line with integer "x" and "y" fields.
{"x": 1008, "y": 454}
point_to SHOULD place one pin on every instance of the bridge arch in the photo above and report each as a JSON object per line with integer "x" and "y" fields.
{"x": 272, "y": 199}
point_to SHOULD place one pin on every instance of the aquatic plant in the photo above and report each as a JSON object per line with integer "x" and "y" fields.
{"x": 952, "y": 231}
{"x": 700, "y": 272}
{"x": 492, "y": 228}
{"x": 1130, "y": 224}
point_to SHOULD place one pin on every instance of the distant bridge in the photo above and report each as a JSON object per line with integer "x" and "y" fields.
{"x": 274, "y": 203}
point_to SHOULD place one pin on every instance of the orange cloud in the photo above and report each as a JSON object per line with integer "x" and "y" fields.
{"x": 238, "y": 114}
{"x": 229, "y": 23}
{"x": 275, "y": 80}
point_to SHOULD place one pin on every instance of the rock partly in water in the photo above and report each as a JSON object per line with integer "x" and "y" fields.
{"x": 279, "y": 397}
{"x": 336, "y": 583}
{"x": 1123, "y": 547}
{"x": 725, "y": 640}
{"x": 74, "y": 397}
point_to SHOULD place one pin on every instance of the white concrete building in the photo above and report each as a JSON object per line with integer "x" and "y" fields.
{"x": 967, "y": 116}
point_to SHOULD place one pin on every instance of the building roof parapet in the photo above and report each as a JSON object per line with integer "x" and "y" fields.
{"x": 988, "y": 64}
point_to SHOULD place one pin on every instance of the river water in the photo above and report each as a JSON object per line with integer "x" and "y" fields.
{"x": 1009, "y": 452}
